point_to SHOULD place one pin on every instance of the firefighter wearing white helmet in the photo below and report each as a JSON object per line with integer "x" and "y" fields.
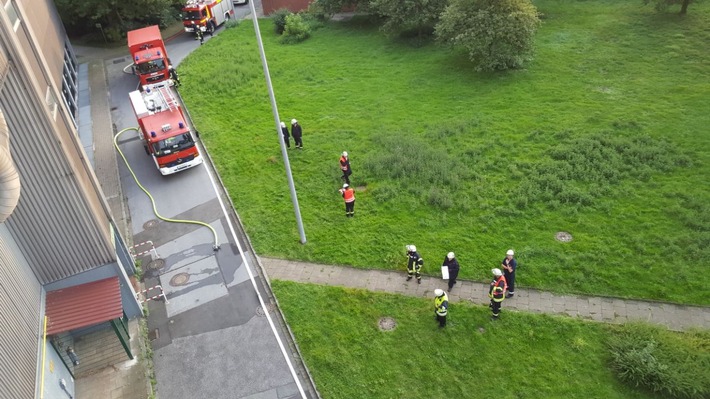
{"x": 414, "y": 264}
{"x": 349, "y": 197}
{"x": 497, "y": 292}
{"x": 284, "y": 132}
{"x": 509, "y": 264}
{"x": 297, "y": 133}
{"x": 345, "y": 166}
{"x": 441, "y": 306}
{"x": 453, "y": 265}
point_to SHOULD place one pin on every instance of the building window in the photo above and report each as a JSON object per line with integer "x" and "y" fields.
{"x": 70, "y": 92}
{"x": 12, "y": 15}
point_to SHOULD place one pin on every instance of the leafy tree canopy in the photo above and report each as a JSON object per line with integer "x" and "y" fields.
{"x": 115, "y": 16}
{"x": 498, "y": 34}
{"x": 403, "y": 16}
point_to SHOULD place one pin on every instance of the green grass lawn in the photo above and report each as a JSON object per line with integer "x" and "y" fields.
{"x": 519, "y": 356}
{"x": 605, "y": 136}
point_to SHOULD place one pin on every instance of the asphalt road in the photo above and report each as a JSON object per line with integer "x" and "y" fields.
{"x": 218, "y": 335}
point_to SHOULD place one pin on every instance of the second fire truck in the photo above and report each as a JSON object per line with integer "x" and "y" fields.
{"x": 206, "y": 15}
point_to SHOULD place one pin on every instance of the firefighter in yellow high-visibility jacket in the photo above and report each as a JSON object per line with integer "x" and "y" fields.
{"x": 441, "y": 306}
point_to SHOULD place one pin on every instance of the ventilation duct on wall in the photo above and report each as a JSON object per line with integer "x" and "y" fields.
{"x": 9, "y": 178}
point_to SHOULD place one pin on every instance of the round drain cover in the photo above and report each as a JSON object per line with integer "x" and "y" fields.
{"x": 563, "y": 236}
{"x": 387, "y": 324}
{"x": 179, "y": 279}
{"x": 150, "y": 224}
{"x": 156, "y": 264}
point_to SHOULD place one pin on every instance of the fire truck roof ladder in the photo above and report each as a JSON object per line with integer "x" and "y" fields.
{"x": 168, "y": 97}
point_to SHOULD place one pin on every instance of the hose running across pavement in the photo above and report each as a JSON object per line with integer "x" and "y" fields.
{"x": 152, "y": 200}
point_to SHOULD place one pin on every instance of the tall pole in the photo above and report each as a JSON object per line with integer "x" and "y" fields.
{"x": 277, "y": 123}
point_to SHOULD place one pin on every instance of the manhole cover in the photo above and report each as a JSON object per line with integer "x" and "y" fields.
{"x": 179, "y": 279}
{"x": 260, "y": 311}
{"x": 387, "y": 324}
{"x": 150, "y": 224}
{"x": 563, "y": 236}
{"x": 156, "y": 264}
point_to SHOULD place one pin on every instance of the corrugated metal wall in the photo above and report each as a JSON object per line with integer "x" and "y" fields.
{"x": 52, "y": 222}
{"x": 20, "y": 295}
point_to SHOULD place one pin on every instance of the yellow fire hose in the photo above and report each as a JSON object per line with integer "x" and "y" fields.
{"x": 152, "y": 200}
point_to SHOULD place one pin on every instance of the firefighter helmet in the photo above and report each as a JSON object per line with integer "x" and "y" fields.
{"x": 450, "y": 255}
{"x": 438, "y": 292}
{"x": 412, "y": 248}
{"x": 510, "y": 252}
{"x": 293, "y": 121}
{"x": 346, "y": 185}
{"x": 496, "y": 272}
{"x": 345, "y": 153}
{"x": 283, "y": 124}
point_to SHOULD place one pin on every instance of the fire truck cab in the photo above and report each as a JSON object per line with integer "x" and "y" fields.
{"x": 164, "y": 129}
{"x": 150, "y": 60}
{"x": 206, "y": 15}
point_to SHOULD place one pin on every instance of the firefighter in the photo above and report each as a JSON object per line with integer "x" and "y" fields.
{"x": 414, "y": 264}
{"x": 199, "y": 35}
{"x": 509, "y": 264}
{"x": 497, "y": 292}
{"x": 345, "y": 166}
{"x": 284, "y": 131}
{"x": 297, "y": 133}
{"x": 453, "y": 265}
{"x": 174, "y": 75}
{"x": 349, "y": 197}
{"x": 441, "y": 306}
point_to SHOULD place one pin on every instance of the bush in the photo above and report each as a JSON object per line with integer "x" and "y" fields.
{"x": 296, "y": 31}
{"x": 498, "y": 34}
{"x": 279, "y": 17}
{"x": 655, "y": 359}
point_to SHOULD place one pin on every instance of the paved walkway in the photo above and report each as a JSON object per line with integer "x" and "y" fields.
{"x": 603, "y": 309}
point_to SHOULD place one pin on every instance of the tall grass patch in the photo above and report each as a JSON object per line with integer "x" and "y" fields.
{"x": 666, "y": 363}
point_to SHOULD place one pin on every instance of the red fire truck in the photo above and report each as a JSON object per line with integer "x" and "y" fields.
{"x": 164, "y": 129}
{"x": 206, "y": 15}
{"x": 150, "y": 60}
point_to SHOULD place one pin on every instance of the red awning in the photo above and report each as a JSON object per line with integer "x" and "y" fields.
{"x": 83, "y": 305}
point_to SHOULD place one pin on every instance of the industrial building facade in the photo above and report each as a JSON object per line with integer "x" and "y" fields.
{"x": 56, "y": 230}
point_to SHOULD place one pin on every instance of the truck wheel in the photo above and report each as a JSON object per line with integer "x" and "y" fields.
{"x": 145, "y": 147}
{"x": 210, "y": 27}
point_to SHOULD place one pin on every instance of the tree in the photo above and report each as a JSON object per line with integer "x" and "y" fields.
{"x": 403, "y": 16}
{"x": 116, "y": 16}
{"x": 662, "y": 5}
{"x": 498, "y": 34}
{"x": 330, "y": 7}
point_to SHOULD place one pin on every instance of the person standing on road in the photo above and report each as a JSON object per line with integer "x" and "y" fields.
{"x": 284, "y": 131}
{"x": 345, "y": 166}
{"x": 297, "y": 133}
{"x": 509, "y": 264}
{"x": 349, "y": 196}
{"x": 497, "y": 292}
{"x": 453, "y": 265}
{"x": 441, "y": 306}
{"x": 174, "y": 75}
{"x": 414, "y": 264}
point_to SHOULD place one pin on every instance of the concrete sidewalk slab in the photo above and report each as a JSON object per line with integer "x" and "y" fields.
{"x": 603, "y": 309}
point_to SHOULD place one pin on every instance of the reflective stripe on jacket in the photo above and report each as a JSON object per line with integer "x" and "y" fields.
{"x": 497, "y": 290}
